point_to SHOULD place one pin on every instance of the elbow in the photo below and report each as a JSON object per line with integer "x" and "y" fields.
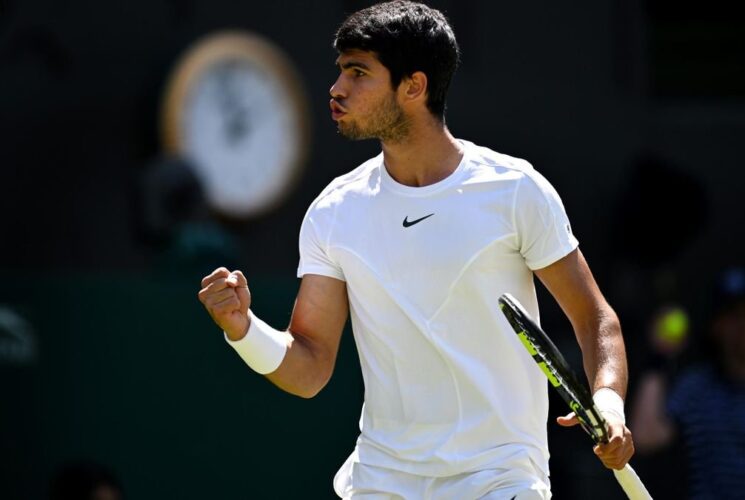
{"x": 305, "y": 379}
{"x": 313, "y": 386}
{"x": 309, "y": 391}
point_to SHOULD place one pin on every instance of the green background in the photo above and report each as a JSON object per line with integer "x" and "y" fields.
{"x": 132, "y": 373}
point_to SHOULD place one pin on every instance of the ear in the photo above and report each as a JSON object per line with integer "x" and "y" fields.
{"x": 414, "y": 87}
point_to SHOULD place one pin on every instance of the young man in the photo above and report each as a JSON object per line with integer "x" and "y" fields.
{"x": 419, "y": 243}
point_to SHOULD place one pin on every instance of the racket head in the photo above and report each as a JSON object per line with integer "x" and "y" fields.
{"x": 551, "y": 362}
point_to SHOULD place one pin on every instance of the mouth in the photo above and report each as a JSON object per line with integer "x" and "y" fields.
{"x": 337, "y": 111}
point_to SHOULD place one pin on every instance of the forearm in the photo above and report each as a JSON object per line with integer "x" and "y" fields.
{"x": 299, "y": 360}
{"x": 598, "y": 332}
{"x": 595, "y": 323}
{"x": 305, "y": 369}
{"x": 603, "y": 351}
{"x": 290, "y": 359}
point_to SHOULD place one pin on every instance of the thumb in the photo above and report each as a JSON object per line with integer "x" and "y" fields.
{"x": 568, "y": 420}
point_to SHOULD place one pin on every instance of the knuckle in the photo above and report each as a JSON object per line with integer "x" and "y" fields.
{"x": 220, "y": 308}
{"x": 214, "y": 275}
{"x": 228, "y": 303}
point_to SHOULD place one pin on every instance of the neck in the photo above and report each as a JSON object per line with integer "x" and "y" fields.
{"x": 428, "y": 154}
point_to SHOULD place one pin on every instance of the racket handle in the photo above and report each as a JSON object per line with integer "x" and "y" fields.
{"x": 631, "y": 484}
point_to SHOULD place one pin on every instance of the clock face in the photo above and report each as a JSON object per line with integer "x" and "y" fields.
{"x": 239, "y": 119}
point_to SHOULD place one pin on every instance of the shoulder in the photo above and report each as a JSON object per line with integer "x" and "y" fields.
{"x": 487, "y": 164}
{"x": 354, "y": 182}
{"x": 488, "y": 159}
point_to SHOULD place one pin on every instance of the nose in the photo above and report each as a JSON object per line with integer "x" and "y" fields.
{"x": 336, "y": 90}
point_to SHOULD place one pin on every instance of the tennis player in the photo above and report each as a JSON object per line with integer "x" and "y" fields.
{"x": 418, "y": 243}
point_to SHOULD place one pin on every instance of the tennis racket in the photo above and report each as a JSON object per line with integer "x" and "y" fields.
{"x": 562, "y": 378}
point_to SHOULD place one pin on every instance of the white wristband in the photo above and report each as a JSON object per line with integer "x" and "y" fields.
{"x": 608, "y": 401}
{"x": 262, "y": 348}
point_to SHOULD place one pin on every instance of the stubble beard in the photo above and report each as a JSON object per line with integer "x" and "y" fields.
{"x": 388, "y": 123}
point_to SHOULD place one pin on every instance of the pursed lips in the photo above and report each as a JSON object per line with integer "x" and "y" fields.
{"x": 337, "y": 111}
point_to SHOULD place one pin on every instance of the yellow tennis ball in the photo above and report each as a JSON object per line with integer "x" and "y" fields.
{"x": 673, "y": 326}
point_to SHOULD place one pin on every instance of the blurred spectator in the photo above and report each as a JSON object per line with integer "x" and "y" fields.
{"x": 705, "y": 406}
{"x": 175, "y": 220}
{"x": 86, "y": 481}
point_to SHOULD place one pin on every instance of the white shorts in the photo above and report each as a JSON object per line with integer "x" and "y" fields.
{"x": 366, "y": 482}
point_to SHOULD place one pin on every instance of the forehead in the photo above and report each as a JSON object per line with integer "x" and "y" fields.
{"x": 362, "y": 57}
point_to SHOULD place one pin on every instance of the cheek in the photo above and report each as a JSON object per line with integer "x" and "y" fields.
{"x": 370, "y": 92}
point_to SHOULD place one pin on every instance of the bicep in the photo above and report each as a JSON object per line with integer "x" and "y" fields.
{"x": 320, "y": 312}
{"x": 571, "y": 283}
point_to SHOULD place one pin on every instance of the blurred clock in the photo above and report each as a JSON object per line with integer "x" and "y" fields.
{"x": 235, "y": 109}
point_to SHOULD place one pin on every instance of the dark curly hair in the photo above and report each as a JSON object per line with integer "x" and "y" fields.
{"x": 406, "y": 37}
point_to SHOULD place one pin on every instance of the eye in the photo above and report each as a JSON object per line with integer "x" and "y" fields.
{"x": 358, "y": 73}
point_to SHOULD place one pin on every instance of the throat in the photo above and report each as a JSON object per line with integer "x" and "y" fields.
{"x": 420, "y": 167}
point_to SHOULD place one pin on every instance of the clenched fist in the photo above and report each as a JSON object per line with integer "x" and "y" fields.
{"x": 226, "y": 297}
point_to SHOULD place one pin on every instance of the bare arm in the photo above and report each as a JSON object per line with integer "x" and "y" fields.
{"x": 595, "y": 323}
{"x": 598, "y": 333}
{"x": 312, "y": 339}
{"x": 316, "y": 326}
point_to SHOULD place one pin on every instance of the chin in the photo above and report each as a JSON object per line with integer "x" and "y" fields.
{"x": 352, "y": 132}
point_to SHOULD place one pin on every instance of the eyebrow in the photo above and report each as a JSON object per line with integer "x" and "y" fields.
{"x": 353, "y": 64}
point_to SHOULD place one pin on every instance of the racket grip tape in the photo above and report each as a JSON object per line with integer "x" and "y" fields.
{"x": 631, "y": 484}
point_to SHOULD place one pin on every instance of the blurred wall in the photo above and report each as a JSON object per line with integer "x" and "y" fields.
{"x": 127, "y": 368}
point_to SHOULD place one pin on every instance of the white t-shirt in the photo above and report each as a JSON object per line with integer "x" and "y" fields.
{"x": 448, "y": 387}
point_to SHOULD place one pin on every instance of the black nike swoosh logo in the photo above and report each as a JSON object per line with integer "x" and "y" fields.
{"x": 417, "y": 221}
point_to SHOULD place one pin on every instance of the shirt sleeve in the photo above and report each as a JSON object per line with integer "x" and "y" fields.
{"x": 543, "y": 229}
{"x": 314, "y": 254}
